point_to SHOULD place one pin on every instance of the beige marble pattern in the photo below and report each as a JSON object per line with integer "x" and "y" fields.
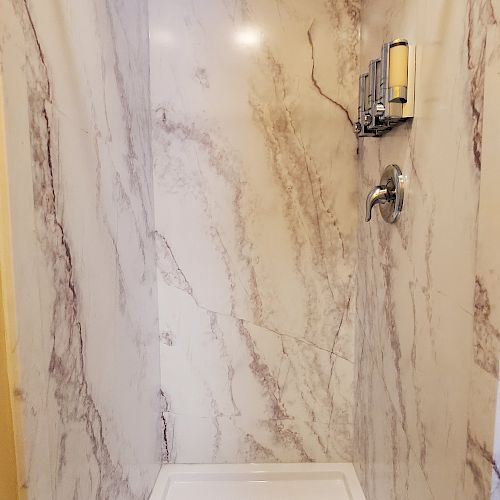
{"x": 415, "y": 287}
{"x": 390, "y": 467}
{"x": 264, "y": 270}
{"x": 76, "y": 92}
{"x": 483, "y": 432}
{"x": 255, "y": 191}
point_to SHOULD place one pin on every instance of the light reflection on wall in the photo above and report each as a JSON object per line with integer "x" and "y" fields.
{"x": 248, "y": 36}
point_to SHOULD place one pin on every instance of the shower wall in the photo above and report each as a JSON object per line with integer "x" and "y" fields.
{"x": 75, "y": 78}
{"x": 255, "y": 194}
{"x": 483, "y": 433}
{"x": 425, "y": 383}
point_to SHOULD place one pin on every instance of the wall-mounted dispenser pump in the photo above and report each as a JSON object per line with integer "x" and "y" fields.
{"x": 387, "y": 91}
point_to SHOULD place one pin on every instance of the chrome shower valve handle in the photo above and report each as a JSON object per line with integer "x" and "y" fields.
{"x": 388, "y": 195}
{"x": 376, "y": 196}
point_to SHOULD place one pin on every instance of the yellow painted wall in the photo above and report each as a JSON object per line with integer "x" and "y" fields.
{"x": 9, "y": 422}
{"x": 8, "y": 469}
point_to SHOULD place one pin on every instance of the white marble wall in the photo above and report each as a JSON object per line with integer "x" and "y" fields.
{"x": 256, "y": 186}
{"x": 255, "y": 193}
{"x": 76, "y": 95}
{"x": 415, "y": 296}
{"x": 483, "y": 432}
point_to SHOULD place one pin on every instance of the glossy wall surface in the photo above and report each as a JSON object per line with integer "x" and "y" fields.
{"x": 422, "y": 429}
{"x": 255, "y": 196}
{"x": 483, "y": 432}
{"x": 76, "y": 96}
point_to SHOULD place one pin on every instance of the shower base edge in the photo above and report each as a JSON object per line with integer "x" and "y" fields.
{"x": 305, "y": 481}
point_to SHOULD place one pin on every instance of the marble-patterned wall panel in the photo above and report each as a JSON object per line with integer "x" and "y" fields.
{"x": 416, "y": 277}
{"x": 385, "y": 462}
{"x": 255, "y": 189}
{"x": 235, "y": 387}
{"x": 76, "y": 94}
{"x": 483, "y": 433}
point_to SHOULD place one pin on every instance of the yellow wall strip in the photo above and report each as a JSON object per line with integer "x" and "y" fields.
{"x": 10, "y": 447}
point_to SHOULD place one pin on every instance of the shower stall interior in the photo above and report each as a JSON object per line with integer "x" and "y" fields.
{"x": 187, "y": 275}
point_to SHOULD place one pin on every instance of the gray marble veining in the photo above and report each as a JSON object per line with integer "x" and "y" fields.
{"x": 483, "y": 433}
{"x": 263, "y": 276}
{"x": 428, "y": 345}
{"x": 255, "y": 187}
{"x": 76, "y": 93}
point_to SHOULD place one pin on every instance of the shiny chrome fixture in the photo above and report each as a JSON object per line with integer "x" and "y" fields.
{"x": 388, "y": 195}
{"x": 387, "y": 91}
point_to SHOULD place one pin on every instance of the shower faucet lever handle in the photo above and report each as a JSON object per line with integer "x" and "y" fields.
{"x": 379, "y": 194}
{"x": 388, "y": 195}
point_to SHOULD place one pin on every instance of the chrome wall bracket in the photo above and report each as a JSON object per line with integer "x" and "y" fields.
{"x": 388, "y": 195}
{"x": 387, "y": 91}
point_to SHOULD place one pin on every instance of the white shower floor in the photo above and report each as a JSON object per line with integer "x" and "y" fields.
{"x": 258, "y": 482}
